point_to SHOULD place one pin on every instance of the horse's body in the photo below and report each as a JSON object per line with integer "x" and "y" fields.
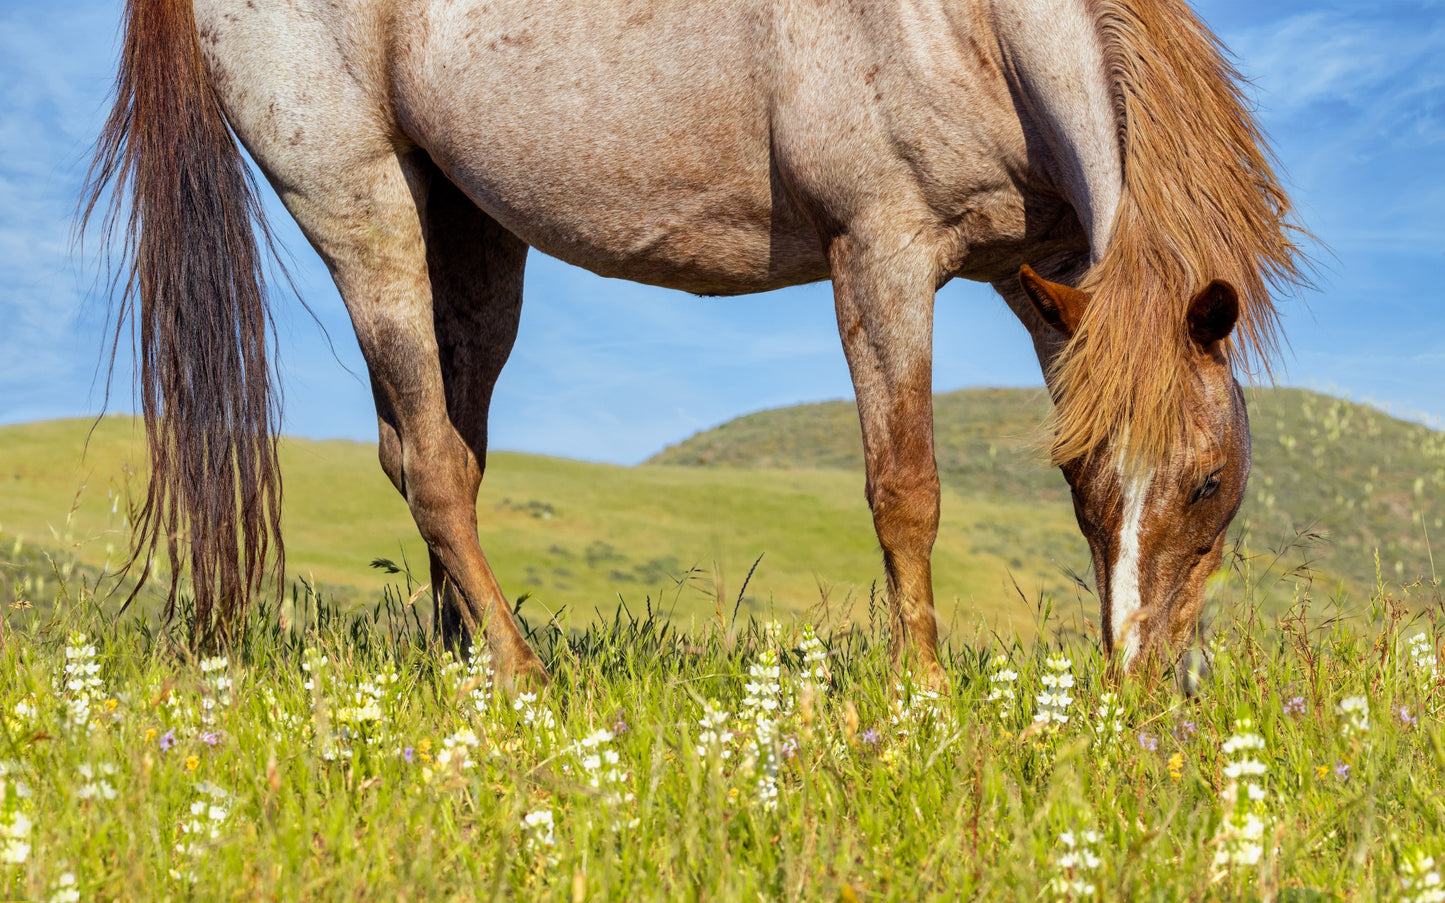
{"x": 423, "y": 145}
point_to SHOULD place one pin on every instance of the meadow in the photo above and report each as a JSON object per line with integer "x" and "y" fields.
{"x": 343, "y": 756}
{"x": 716, "y": 733}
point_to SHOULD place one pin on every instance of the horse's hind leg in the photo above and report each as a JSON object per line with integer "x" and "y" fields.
{"x": 884, "y": 299}
{"x": 369, "y": 225}
{"x": 476, "y": 270}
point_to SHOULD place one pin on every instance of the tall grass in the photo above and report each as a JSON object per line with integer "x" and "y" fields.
{"x": 341, "y": 755}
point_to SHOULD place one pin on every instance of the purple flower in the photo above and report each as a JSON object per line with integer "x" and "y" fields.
{"x": 619, "y": 727}
{"x": 1295, "y": 706}
{"x": 871, "y": 736}
{"x": 1184, "y": 730}
{"x": 1406, "y": 718}
{"x": 790, "y": 748}
{"x": 211, "y": 738}
{"x": 1342, "y": 770}
{"x": 407, "y": 754}
{"x": 168, "y": 739}
{"x": 1148, "y": 742}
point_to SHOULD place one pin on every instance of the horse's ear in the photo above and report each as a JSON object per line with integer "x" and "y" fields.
{"x": 1061, "y": 307}
{"x": 1213, "y": 313}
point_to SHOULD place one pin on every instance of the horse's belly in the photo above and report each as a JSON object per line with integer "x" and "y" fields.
{"x": 630, "y": 138}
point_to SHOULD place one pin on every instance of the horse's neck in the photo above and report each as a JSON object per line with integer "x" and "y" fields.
{"x": 1055, "y": 58}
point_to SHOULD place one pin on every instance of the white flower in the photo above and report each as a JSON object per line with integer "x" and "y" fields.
{"x": 1356, "y": 712}
{"x": 1076, "y": 865}
{"x": 1420, "y": 880}
{"x": 1422, "y": 656}
{"x": 1241, "y": 833}
{"x": 1054, "y": 701}
{"x": 64, "y": 889}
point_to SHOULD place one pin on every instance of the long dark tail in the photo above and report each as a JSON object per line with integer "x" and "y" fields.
{"x": 193, "y": 289}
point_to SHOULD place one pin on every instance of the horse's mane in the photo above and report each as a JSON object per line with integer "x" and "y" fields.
{"x": 1200, "y": 201}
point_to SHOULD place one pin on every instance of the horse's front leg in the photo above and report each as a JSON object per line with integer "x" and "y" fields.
{"x": 883, "y": 293}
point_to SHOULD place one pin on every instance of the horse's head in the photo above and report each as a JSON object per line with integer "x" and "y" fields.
{"x": 1157, "y": 529}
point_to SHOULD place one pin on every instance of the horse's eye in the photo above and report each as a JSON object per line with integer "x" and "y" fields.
{"x": 1210, "y": 486}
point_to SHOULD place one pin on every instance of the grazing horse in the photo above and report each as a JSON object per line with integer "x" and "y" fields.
{"x": 1092, "y": 159}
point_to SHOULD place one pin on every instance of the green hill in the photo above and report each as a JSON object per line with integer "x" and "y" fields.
{"x": 571, "y": 534}
{"x": 1339, "y": 479}
{"x": 684, "y": 530}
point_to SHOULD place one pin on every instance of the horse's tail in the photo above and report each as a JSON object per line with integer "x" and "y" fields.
{"x": 192, "y": 285}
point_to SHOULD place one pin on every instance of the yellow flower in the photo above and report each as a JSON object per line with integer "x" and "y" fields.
{"x": 1322, "y": 771}
{"x": 1176, "y": 766}
{"x": 110, "y": 704}
{"x": 424, "y": 745}
{"x": 150, "y": 734}
{"x": 191, "y": 763}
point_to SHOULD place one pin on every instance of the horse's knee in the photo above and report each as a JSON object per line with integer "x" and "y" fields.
{"x": 905, "y": 513}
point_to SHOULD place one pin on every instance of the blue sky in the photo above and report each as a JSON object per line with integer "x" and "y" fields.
{"x": 1353, "y": 95}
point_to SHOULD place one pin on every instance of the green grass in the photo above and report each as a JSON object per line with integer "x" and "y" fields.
{"x": 155, "y": 783}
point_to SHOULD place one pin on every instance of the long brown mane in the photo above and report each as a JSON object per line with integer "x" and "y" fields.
{"x": 1200, "y": 201}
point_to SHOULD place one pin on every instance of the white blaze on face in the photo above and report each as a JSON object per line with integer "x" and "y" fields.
{"x": 1124, "y": 598}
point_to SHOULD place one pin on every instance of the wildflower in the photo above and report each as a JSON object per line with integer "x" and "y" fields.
{"x": 1294, "y": 706}
{"x": 761, "y": 706}
{"x": 15, "y": 839}
{"x": 64, "y": 889}
{"x": 815, "y": 658}
{"x": 1110, "y": 714}
{"x": 1054, "y": 701}
{"x": 1408, "y": 720}
{"x": 1356, "y": 712}
{"x": 535, "y": 717}
{"x": 168, "y": 740}
{"x": 150, "y": 734}
{"x": 211, "y": 738}
{"x": 1241, "y": 833}
{"x": 1420, "y": 880}
{"x": 790, "y": 748}
{"x": 93, "y": 787}
{"x": 1001, "y": 690}
{"x": 1342, "y": 770}
{"x": 191, "y": 763}
{"x": 456, "y": 752}
{"x": 1148, "y": 742}
{"x": 474, "y": 681}
{"x": 1077, "y": 864}
{"x": 619, "y": 727}
{"x": 313, "y": 665}
{"x": 917, "y": 707}
{"x": 1422, "y": 656}
{"x": 15, "y": 822}
{"x": 1322, "y": 771}
{"x": 80, "y": 682}
{"x": 539, "y": 838}
{"x": 209, "y": 812}
{"x": 218, "y": 687}
{"x": 406, "y": 754}
{"x": 1176, "y": 766}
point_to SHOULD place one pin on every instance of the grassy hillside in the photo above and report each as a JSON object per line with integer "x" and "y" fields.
{"x": 684, "y": 530}
{"x": 572, "y": 534}
{"x": 1345, "y": 478}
